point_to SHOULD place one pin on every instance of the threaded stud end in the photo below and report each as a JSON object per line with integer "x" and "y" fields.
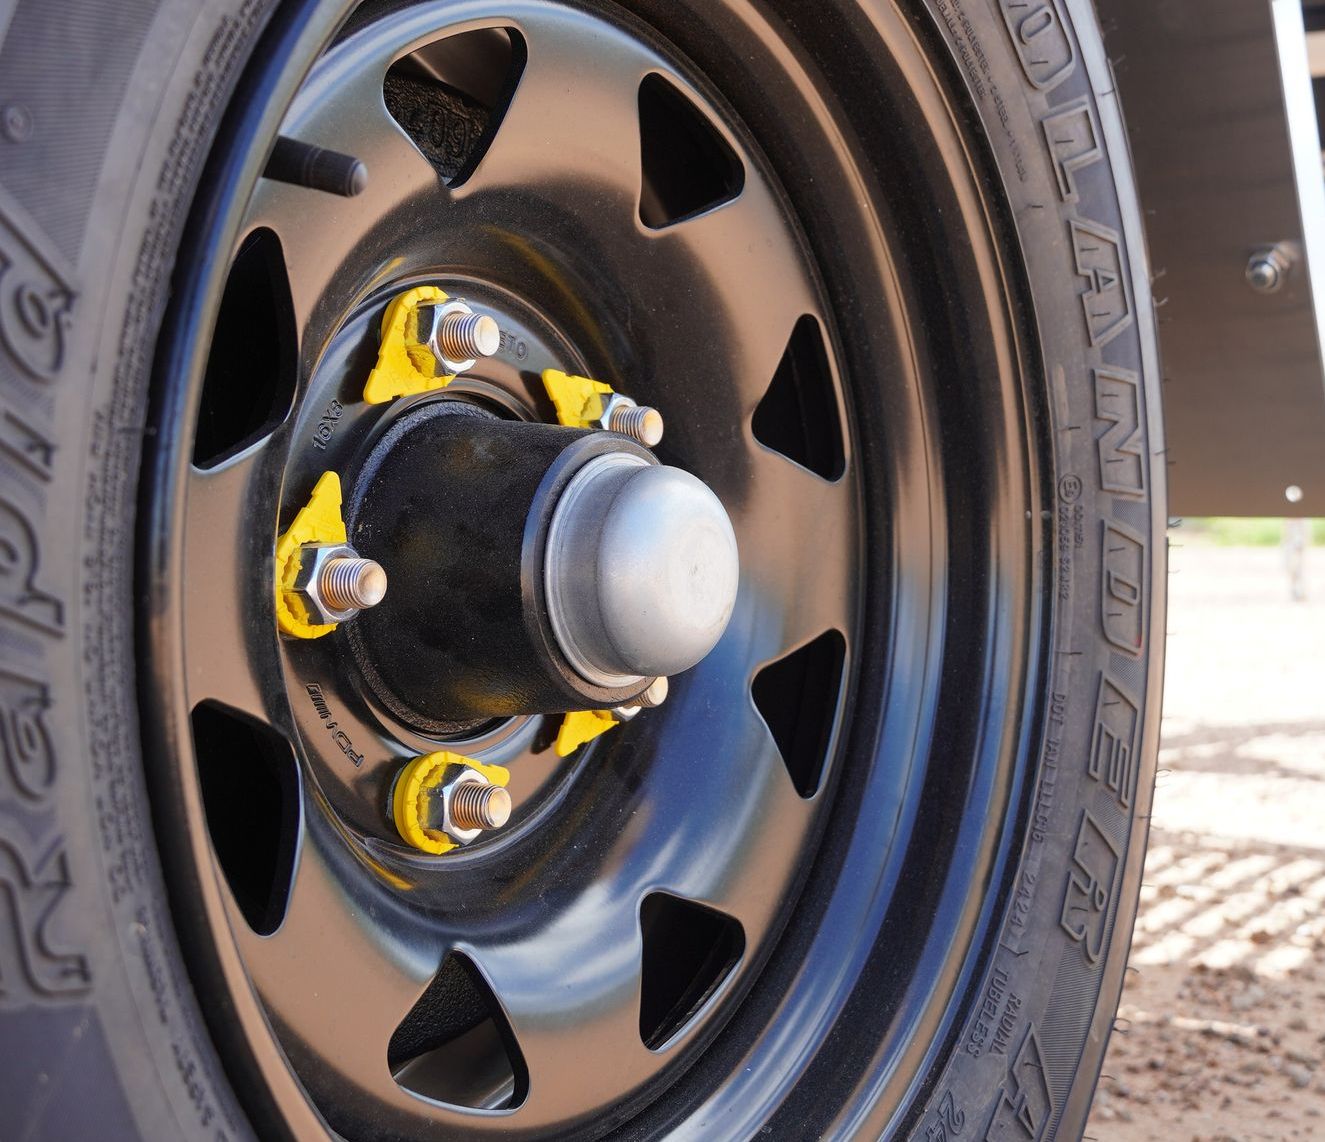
{"x": 353, "y": 584}
{"x": 639, "y": 422}
{"x": 467, "y": 336}
{"x": 475, "y": 806}
{"x": 655, "y": 695}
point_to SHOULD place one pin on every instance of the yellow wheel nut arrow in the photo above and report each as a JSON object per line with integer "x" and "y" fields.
{"x": 578, "y": 400}
{"x": 410, "y": 802}
{"x": 405, "y": 365}
{"x": 582, "y": 726}
{"x": 318, "y": 521}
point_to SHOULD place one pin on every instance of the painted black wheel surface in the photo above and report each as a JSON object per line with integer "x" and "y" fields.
{"x": 870, "y": 868}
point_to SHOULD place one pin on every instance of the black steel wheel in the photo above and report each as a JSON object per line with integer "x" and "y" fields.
{"x": 869, "y": 869}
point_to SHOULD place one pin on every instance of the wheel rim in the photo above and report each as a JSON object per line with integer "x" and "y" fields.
{"x": 560, "y": 946}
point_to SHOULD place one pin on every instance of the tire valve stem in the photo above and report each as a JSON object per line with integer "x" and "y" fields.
{"x": 475, "y": 806}
{"x": 302, "y": 164}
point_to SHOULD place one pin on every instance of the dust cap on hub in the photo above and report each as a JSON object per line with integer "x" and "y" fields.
{"x": 641, "y": 570}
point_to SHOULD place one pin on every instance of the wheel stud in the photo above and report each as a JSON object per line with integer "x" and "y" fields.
{"x": 582, "y": 402}
{"x": 654, "y": 696}
{"x": 638, "y": 421}
{"x": 475, "y": 806}
{"x": 349, "y": 583}
{"x": 464, "y": 336}
{"x": 456, "y": 336}
{"x": 334, "y": 584}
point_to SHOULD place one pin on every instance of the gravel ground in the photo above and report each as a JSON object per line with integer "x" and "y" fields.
{"x": 1221, "y": 1034}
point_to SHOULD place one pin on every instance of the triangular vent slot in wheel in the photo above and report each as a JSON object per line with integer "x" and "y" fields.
{"x": 798, "y": 696}
{"x": 798, "y": 416}
{"x": 456, "y": 1046}
{"x": 688, "y": 166}
{"x": 689, "y": 949}
{"x": 450, "y": 95}
{"x": 250, "y": 794}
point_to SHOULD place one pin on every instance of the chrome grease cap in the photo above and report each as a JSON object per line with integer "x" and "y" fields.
{"x": 641, "y": 570}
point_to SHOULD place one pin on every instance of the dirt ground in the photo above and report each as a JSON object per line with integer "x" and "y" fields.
{"x": 1221, "y": 1034}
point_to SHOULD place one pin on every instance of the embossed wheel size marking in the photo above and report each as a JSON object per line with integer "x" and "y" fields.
{"x": 452, "y": 868}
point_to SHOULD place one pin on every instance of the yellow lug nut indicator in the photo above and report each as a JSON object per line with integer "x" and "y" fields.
{"x": 405, "y": 365}
{"x": 581, "y": 726}
{"x": 578, "y": 400}
{"x": 427, "y": 338}
{"x": 444, "y": 800}
{"x": 582, "y": 402}
{"x": 318, "y": 522}
{"x": 320, "y": 579}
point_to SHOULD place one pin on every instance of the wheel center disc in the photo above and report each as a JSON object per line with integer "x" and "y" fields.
{"x": 640, "y": 571}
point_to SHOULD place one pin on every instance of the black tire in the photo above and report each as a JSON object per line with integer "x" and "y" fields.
{"x": 108, "y": 114}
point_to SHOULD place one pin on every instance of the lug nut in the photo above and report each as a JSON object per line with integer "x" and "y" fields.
{"x": 467, "y": 336}
{"x": 335, "y": 584}
{"x": 479, "y": 806}
{"x": 637, "y": 421}
{"x": 349, "y": 583}
{"x": 441, "y": 801}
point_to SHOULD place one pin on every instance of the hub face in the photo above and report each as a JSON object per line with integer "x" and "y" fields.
{"x": 534, "y": 569}
{"x": 459, "y": 503}
{"x": 354, "y": 740}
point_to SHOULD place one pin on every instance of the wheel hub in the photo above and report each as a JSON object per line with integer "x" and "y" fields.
{"x": 533, "y": 569}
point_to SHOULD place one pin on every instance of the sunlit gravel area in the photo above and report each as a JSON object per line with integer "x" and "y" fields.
{"x": 1221, "y": 1034}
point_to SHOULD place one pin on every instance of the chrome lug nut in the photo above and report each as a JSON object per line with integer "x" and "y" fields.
{"x": 335, "y": 584}
{"x": 456, "y": 336}
{"x": 441, "y": 800}
{"x": 469, "y": 804}
{"x": 640, "y": 422}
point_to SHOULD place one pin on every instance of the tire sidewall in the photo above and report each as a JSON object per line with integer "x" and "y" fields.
{"x": 99, "y": 999}
{"x": 1026, "y": 1054}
